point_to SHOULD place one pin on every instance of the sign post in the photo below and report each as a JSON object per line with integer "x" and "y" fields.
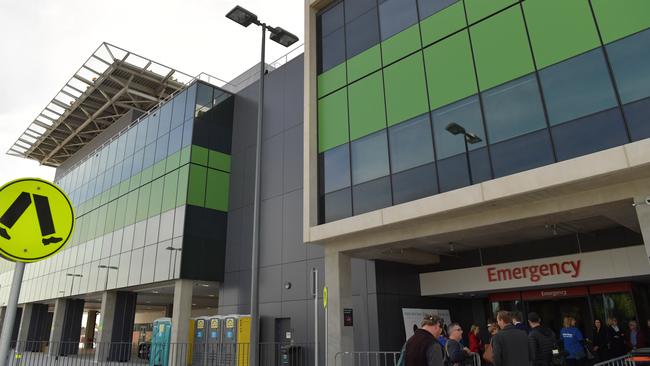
{"x": 37, "y": 220}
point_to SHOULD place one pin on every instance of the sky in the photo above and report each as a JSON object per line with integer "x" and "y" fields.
{"x": 44, "y": 42}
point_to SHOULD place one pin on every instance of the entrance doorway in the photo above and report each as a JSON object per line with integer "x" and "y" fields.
{"x": 553, "y": 312}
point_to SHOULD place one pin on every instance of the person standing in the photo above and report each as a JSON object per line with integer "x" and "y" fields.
{"x": 541, "y": 342}
{"x": 573, "y": 342}
{"x": 456, "y": 353}
{"x": 475, "y": 341}
{"x": 600, "y": 340}
{"x": 615, "y": 339}
{"x": 423, "y": 349}
{"x": 516, "y": 321}
{"x": 635, "y": 338}
{"x": 509, "y": 345}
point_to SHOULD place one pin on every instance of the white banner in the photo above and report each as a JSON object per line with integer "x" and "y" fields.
{"x": 415, "y": 316}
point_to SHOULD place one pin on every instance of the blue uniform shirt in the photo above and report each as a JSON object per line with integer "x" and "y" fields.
{"x": 572, "y": 338}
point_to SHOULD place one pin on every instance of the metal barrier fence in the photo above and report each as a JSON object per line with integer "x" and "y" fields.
{"x": 619, "y": 361}
{"x": 157, "y": 354}
{"x": 385, "y": 359}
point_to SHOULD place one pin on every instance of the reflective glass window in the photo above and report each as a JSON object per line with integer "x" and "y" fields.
{"x": 165, "y": 119}
{"x": 372, "y": 195}
{"x": 411, "y": 144}
{"x": 453, "y": 172}
{"x": 332, "y": 50}
{"x": 190, "y": 101}
{"x": 149, "y": 155}
{"x": 577, "y": 87}
{"x": 369, "y": 157}
{"x": 121, "y": 148}
{"x": 513, "y": 109}
{"x": 630, "y": 60}
{"x": 112, "y": 151}
{"x": 362, "y": 33}
{"x": 178, "y": 109}
{"x": 108, "y": 178}
{"x": 175, "y": 140}
{"x": 117, "y": 174}
{"x": 355, "y": 8}
{"x": 466, "y": 113}
{"x": 396, "y": 15}
{"x": 203, "y": 99}
{"x": 152, "y": 127}
{"x": 589, "y": 134}
{"x": 141, "y": 136}
{"x": 137, "y": 162}
{"x": 130, "y": 141}
{"x": 336, "y": 168}
{"x": 337, "y": 205}
{"x": 430, "y": 7}
{"x": 414, "y": 183}
{"x": 161, "y": 148}
{"x": 637, "y": 115}
{"x": 480, "y": 163}
{"x": 187, "y": 133}
{"x": 127, "y": 167}
{"x": 522, "y": 153}
{"x": 102, "y": 159}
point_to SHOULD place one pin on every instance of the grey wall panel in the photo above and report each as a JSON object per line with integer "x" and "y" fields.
{"x": 268, "y": 313}
{"x": 135, "y": 266}
{"x": 294, "y": 273}
{"x": 293, "y": 248}
{"x": 270, "y": 235}
{"x": 297, "y": 311}
{"x": 293, "y": 86}
{"x": 153, "y": 225}
{"x": 273, "y": 104}
{"x": 162, "y": 269}
{"x": 139, "y": 234}
{"x": 237, "y": 175}
{"x": 270, "y": 284}
{"x": 125, "y": 264}
{"x": 293, "y": 158}
{"x": 246, "y": 238}
{"x": 229, "y": 290}
{"x": 166, "y": 229}
{"x": 245, "y": 118}
{"x": 234, "y": 240}
{"x": 245, "y": 288}
{"x": 116, "y": 247}
{"x": 272, "y": 166}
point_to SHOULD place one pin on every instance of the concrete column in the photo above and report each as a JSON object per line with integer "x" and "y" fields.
{"x": 181, "y": 314}
{"x": 56, "y": 333}
{"x": 23, "y": 330}
{"x": 89, "y": 335}
{"x": 3, "y": 311}
{"x": 643, "y": 214}
{"x": 169, "y": 310}
{"x": 109, "y": 302}
{"x": 338, "y": 279}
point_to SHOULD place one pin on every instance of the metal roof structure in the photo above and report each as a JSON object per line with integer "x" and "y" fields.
{"x": 110, "y": 83}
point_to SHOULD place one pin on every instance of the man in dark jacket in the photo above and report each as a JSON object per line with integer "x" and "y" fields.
{"x": 510, "y": 345}
{"x": 423, "y": 349}
{"x": 456, "y": 353}
{"x": 541, "y": 342}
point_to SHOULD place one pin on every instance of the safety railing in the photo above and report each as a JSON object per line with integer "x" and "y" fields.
{"x": 621, "y": 361}
{"x": 370, "y": 358}
{"x": 157, "y": 354}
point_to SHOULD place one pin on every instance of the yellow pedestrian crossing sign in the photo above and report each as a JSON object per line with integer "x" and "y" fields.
{"x": 36, "y": 220}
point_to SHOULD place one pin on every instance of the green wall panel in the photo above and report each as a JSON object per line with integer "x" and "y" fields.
{"x": 216, "y": 196}
{"x": 367, "y": 112}
{"x": 159, "y": 169}
{"x": 406, "y": 94}
{"x": 143, "y": 202}
{"x": 155, "y": 200}
{"x": 131, "y": 208}
{"x": 185, "y": 155}
{"x": 401, "y": 44}
{"x": 110, "y": 217}
{"x": 443, "y": 23}
{"x": 146, "y": 176}
{"x": 169, "y": 191}
{"x": 120, "y": 215}
{"x": 101, "y": 221}
{"x": 183, "y": 177}
{"x": 364, "y": 63}
{"x": 450, "y": 70}
{"x": 331, "y": 80}
{"x": 173, "y": 161}
{"x": 619, "y": 18}
{"x": 501, "y": 48}
{"x": 196, "y": 185}
{"x": 333, "y": 120}
{"x": 479, "y": 9}
{"x": 560, "y": 29}
{"x": 219, "y": 160}
{"x": 199, "y": 155}
{"x": 134, "y": 182}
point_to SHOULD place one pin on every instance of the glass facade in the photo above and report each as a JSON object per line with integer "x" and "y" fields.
{"x": 130, "y": 195}
{"x": 538, "y": 81}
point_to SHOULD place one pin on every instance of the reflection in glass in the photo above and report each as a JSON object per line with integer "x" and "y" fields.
{"x": 332, "y": 50}
{"x": 369, "y": 157}
{"x": 337, "y": 205}
{"x": 522, "y": 153}
{"x": 178, "y": 109}
{"x": 362, "y": 33}
{"x": 336, "y": 168}
{"x": 430, "y": 7}
{"x": 410, "y": 144}
{"x": 395, "y": 16}
{"x": 203, "y": 99}
{"x": 630, "y": 60}
{"x": 372, "y": 195}
{"x": 466, "y": 113}
{"x": 165, "y": 119}
{"x": 637, "y": 115}
{"x": 415, "y": 183}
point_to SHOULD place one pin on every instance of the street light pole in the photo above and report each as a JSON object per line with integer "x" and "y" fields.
{"x": 73, "y": 275}
{"x": 176, "y": 250}
{"x": 285, "y": 38}
{"x": 468, "y": 137}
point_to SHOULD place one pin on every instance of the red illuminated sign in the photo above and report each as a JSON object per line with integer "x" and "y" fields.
{"x": 534, "y": 273}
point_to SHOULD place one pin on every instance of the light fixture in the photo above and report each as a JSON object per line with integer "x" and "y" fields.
{"x": 211, "y": 295}
{"x": 283, "y": 36}
{"x": 468, "y": 138}
{"x": 455, "y": 128}
{"x": 287, "y": 285}
{"x": 242, "y": 16}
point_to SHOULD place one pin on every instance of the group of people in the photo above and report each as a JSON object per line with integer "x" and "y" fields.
{"x": 510, "y": 342}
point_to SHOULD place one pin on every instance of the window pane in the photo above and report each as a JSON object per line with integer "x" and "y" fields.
{"x": 522, "y": 153}
{"x": 203, "y": 99}
{"x": 190, "y": 101}
{"x": 430, "y": 7}
{"x": 187, "y": 132}
{"x": 130, "y": 141}
{"x": 337, "y": 205}
{"x": 178, "y": 109}
{"x": 336, "y": 168}
{"x": 142, "y": 134}
{"x": 415, "y": 183}
{"x": 630, "y": 60}
{"x": 481, "y": 166}
{"x": 161, "y": 148}
{"x": 175, "y": 140}
{"x": 577, "y": 87}
{"x": 395, "y": 16}
{"x": 165, "y": 119}
{"x": 332, "y": 50}
{"x": 411, "y": 144}
{"x": 638, "y": 119}
{"x": 121, "y": 147}
{"x": 152, "y": 127}
{"x": 137, "y": 162}
{"x": 127, "y": 167}
{"x": 369, "y": 157}
{"x": 466, "y": 113}
{"x": 112, "y": 149}
{"x": 331, "y": 19}
{"x": 371, "y": 195}
{"x": 362, "y": 33}
{"x": 452, "y": 172}
{"x": 589, "y": 134}
{"x": 355, "y": 8}
{"x": 149, "y": 155}
{"x": 513, "y": 109}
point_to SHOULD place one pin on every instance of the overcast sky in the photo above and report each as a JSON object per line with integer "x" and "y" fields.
{"x": 44, "y": 42}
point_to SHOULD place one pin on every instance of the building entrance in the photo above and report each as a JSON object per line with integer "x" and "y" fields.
{"x": 553, "y": 312}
